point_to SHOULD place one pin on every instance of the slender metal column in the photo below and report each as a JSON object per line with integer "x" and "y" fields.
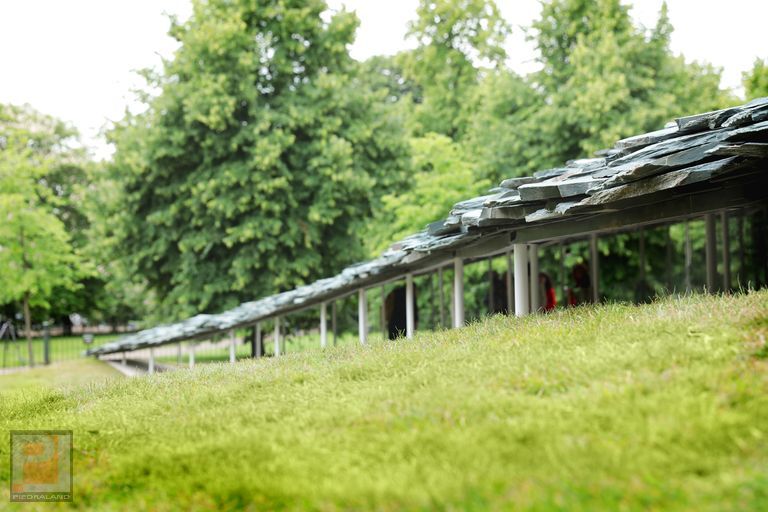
{"x": 451, "y": 305}
{"x": 383, "y": 315}
{"x": 668, "y": 269}
{"x": 191, "y": 346}
{"x": 594, "y": 273}
{"x": 726, "y": 236}
{"x": 410, "y": 317}
{"x": 362, "y": 316}
{"x": 334, "y": 326}
{"x": 742, "y": 252}
{"x": 178, "y": 353}
{"x": 458, "y": 293}
{"x": 522, "y": 294}
{"x": 442, "y": 297}
{"x": 258, "y": 340}
{"x": 491, "y": 298}
{"x": 151, "y": 367}
{"x": 323, "y": 325}
{"x": 711, "y": 252}
{"x": 125, "y": 359}
{"x": 533, "y": 260}
{"x": 432, "y": 295}
{"x": 641, "y": 256}
{"x": 510, "y": 290}
{"x": 277, "y": 336}
{"x": 563, "y": 275}
{"x": 688, "y": 258}
{"x": 232, "y": 347}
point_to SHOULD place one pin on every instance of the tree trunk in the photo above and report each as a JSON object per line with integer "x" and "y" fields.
{"x": 66, "y": 325}
{"x": 28, "y": 330}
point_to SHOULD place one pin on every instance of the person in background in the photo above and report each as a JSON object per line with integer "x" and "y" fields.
{"x": 498, "y": 302}
{"x": 395, "y": 312}
{"x": 547, "y": 297}
{"x": 581, "y": 293}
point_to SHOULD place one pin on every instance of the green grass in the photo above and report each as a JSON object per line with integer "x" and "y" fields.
{"x": 62, "y": 348}
{"x": 659, "y": 407}
{"x": 67, "y": 374}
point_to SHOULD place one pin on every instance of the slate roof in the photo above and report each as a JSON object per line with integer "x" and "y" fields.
{"x": 690, "y": 150}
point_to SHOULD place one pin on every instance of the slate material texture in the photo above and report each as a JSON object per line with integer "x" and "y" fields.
{"x": 704, "y": 148}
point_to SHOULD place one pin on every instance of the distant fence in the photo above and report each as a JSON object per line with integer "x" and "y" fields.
{"x": 47, "y": 350}
{"x": 78, "y": 330}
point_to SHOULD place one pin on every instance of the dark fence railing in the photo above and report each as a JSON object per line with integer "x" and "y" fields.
{"x": 14, "y": 350}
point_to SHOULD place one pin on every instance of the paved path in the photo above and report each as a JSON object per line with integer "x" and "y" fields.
{"x": 15, "y": 369}
{"x": 135, "y": 367}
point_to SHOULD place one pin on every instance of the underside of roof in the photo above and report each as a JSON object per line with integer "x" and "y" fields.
{"x": 694, "y": 165}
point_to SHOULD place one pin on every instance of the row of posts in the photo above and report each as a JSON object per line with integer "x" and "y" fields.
{"x": 526, "y": 271}
{"x": 522, "y": 271}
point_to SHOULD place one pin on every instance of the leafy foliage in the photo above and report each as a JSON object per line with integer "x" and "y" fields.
{"x": 256, "y": 167}
{"x": 270, "y": 158}
{"x": 756, "y": 80}
{"x": 36, "y": 251}
{"x": 453, "y": 36}
{"x": 441, "y": 177}
{"x": 602, "y": 78}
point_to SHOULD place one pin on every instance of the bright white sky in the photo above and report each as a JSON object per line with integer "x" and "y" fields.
{"x": 75, "y": 59}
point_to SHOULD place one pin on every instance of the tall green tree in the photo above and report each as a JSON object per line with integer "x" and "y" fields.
{"x": 756, "y": 80}
{"x": 602, "y": 78}
{"x": 36, "y": 252}
{"x": 256, "y": 167}
{"x": 118, "y": 296}
{"x": 455, "y": 39}
{"x": 67, "y": 182}
{"x": 615, "y": 79}
{"x": 502, "y": 137}
{"x": 441, "y": 176}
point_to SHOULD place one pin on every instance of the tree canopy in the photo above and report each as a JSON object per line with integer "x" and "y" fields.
{"x": 256, "y": 167}
{"x": 36, "y": 251}
{"x": 265, "y": 157}
{"x": 441, "y": 176}
{"x": 454, "y": 37}
{"x": 602, "y": 78}
{"x": 756, "y": 80}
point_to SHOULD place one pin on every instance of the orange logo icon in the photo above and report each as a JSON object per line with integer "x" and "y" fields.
{"x": 41, "y": 465}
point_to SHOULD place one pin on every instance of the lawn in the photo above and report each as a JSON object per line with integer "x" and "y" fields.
{"x": 66, "y": 375}
{"x": 661, "y": 407}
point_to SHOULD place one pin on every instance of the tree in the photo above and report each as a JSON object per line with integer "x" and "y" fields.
{"x": 121, "y": 296}
{"x": 36, "y": 253}
{"x": 441, "y": 176}
{"x": 614, "y": 79}
{"x": 602, "y": 78}
{"x": 256, "y": 167}
{"x": 502, "y": 136}
{"x": 756, "y": 80}
{"x": 454, "y": 38}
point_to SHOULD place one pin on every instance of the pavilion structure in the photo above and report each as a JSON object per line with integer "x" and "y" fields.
{"x": 707, "y": 166}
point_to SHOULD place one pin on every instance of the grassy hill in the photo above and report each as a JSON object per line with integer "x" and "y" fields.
{"x": 662, "y": 406}
{"x": 66, "y": 374}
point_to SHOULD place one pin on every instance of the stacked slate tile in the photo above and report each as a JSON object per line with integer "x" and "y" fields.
{"x": 691, "y": 150}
